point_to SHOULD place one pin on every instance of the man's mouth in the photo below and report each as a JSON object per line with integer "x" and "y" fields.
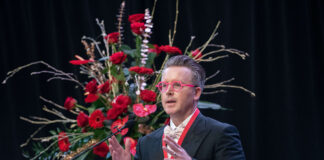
{"x": 170, "y": 101}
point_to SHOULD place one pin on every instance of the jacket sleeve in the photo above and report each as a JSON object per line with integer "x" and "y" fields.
{"x": 138, "y": 155}
{"x": 229, "y": 146}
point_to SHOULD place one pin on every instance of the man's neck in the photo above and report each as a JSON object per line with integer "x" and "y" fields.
{"x": 178, "y": 119}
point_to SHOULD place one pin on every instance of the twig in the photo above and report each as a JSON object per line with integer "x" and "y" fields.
{"x": 230, "y": 86}
{"x": 191, "y": 40}
{"x": 47, "y": 122}
{"x": 56, "y": 105}
{"x": 57, "y": 113}
{"x": 95, "y": 42}
{"x": 214, "y": 92}
{"x": 212, "y": 36}
{"x": 43, "y": 151}
{"x": 175, "y": 22}
{"x": 31, "y": 136}
{"x": 13, "y": 72}
{"x": 210, "y": 59}
{"x": 160, "y": 72}
{"x": 153, "y": 9}
{"x": 211, "y": 76}
{"x": 49, "y": 72}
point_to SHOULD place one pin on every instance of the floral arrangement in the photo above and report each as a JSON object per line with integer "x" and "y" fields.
{"x": 121, "y": 86}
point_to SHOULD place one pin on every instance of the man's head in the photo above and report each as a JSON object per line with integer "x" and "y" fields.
{"x": 181, "y": 101}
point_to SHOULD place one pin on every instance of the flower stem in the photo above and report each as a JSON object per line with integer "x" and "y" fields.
{"x": 81, "y": 107}
{"x": 160, "y": 74}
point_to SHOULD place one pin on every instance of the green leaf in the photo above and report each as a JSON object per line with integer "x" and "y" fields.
{"x": 97, "y": 105}
{"x": 150, "y": 45}
{"x": 25, "y": 154}
{"x": 52, "y": 132}
{"x": 125, "y": 47}
{"x": 127, "y": 50}
{"x": 138, "y": 41}
{"x": 210, "y": 105}
{"x": 156, "y": 117}
{"x": 104, "y": 71}
{"x": 150, "y": 60}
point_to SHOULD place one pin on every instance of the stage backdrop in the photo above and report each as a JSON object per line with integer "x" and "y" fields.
{"x": 284, "y": 40}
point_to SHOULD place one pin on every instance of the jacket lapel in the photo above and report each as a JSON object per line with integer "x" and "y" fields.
{"x": 156, "y": 145}
{"x": 196, "y": 134}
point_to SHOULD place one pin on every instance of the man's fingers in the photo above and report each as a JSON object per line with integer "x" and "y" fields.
{"x": 172, "y": 144}
{"x": 115, "y": 144}
{"x": 127, "y": 145}
{"x": 168, "y": 150}
{"x": 114, "y": 155}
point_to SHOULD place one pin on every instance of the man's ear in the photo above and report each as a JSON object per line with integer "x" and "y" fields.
{"x": 198, "y": 92}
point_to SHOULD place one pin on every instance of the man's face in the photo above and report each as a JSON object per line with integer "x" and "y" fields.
{"x": 180, "y": 103}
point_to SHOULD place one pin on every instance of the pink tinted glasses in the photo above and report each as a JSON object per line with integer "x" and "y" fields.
{"x": 175, "y": 86}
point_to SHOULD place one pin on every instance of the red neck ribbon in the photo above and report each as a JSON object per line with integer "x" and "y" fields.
{"x": 184, "y": 132}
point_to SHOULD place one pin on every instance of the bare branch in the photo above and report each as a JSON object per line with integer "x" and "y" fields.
{"x": 211, "y": 76}
{"x": 214, "y": 92}
{"x": 47, "y": 122}
{"x": 191, "y": 40}
{"x": 57, "y": 71}
{"x": 175, "y": 23}
{"x": 31, "y": 136}
{"x": 56, "y": 105}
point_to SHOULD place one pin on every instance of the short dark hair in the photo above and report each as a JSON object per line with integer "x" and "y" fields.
{"x": 198, "y": 72}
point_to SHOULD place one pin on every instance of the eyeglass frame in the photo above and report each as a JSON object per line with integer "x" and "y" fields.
{"x": 168, "y": 83}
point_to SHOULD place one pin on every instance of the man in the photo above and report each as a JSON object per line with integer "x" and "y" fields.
{"x": 190, "y": 135}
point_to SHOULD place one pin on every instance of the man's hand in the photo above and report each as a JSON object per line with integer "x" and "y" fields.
{"x": 177, "y": 151}
{"x": 117, "y": 151}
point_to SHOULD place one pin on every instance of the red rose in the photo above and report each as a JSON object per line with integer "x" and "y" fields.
{"x": 142, "y": 111}
{"x": 148, "y": 95}
{"x": 105, "y": 88}
{"x": 133, "y": 143}
{"x": 135, "y": 69}
{"x": 96, "y": 119}
{"x": 196, "y": 54}
{"x": 170, "y": 49}
{"x": 141, "y": 70}
{"x": 118, "y": 57}
{"x": 147, "y": 71}
{"x": 119, "y": 123}
{"x": 121, "y": 101}
{"x": 91, "y": 87}
{"x": 119, "y": 105}
{"x": 82, "y": 119}
{"x": 91, "y": 98}
{"x": 63, "y": 142}
{"x": 139, "y": 17}
{"x": 137, "y": 28}
{"x": 156, "y": 49}
{"x": 80, "y": 62}
{"x": 101, "y": 150}
{"x": 112, "y": 37}
{"x": 114, "y": 112}
{"x": 69, "y": 103}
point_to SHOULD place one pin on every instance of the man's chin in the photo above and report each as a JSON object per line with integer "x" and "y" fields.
{"x": 170, "y": 110}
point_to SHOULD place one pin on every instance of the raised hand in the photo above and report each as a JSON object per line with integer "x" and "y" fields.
{"x": 117, "y": 151}
{"x": 176, "y": 150}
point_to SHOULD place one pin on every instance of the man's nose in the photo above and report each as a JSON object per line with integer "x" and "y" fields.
{"x": 169, "y": 90}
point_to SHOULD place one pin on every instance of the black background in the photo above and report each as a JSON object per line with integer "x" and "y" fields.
{"x": 284, "y": 40}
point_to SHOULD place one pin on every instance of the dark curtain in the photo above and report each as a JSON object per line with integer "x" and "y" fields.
{"x": 283, "y": 38}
